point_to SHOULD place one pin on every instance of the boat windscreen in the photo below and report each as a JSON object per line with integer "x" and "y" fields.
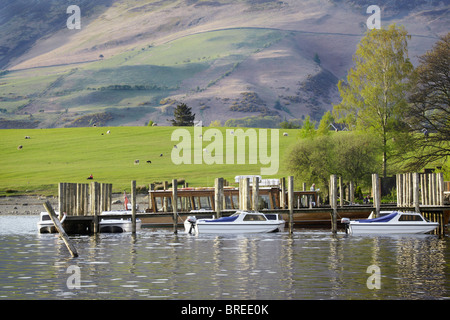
{"x": 223, "y": 219}
{"x": 380, "y": 219}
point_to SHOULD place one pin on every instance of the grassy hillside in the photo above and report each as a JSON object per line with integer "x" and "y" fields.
{"x": 51, "y": 156}
{"x": 132, "y": 60}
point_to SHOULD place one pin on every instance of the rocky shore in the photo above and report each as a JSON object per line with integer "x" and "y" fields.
{"x": 33, "y": 205}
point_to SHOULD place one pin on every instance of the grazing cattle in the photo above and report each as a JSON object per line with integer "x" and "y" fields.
{"x": 136, "y": 161}
{"x": 27, "y": 137}
{"x": 149, "y": 161}
{"x": 285, "y": 134}
{"x": 19, "y": 147}
{"x": 108, "y": 132}
{"x": 161, "y": 155}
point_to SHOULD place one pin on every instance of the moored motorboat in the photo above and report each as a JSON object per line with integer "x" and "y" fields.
{"x": 45, "y": 223}
{"x": 392, "y": 222}
{"x": 239, "y": 222}
{"x": 117, "y": 222}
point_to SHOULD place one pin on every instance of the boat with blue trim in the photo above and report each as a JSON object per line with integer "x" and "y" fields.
{"x": 390, "y": 222}
{"x": 239, "y": 222}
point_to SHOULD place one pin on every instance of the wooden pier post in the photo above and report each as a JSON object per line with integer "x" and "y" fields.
{"x": 218, "y": 196}
{"x": 341, "y": 193}
{"x": 291, "y": 203}
{"x": 351, "y": 192}
{"x": 283, "y": 193}
{"x": 59, "y": 227}
{"x": 255, "y": 194}
{"x": 376, "y": 193}
{"x": 133, "y": 206}
{"x": 416, "y": 191}
{"x": 440, "y": 188}
{"x": 95, "y": 194}
{"x": 333, "y": 202}
{"x": 175, "y": 205}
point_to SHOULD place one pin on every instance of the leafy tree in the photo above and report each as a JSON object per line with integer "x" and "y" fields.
{"x": 183, "y": 116}
{"x": 308, "y": 129}
{"x": 352, "y": 155}
{"x": 374, "y": 96}
{"x": 429, "y": 111}
{"x": 324, "y": 124}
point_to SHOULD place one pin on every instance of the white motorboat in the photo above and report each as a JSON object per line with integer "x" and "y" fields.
{"x": 112, "y": 224}
{"x": 239, "y": 222}
{"x": 45, "y": 223}
{"x": 391, "y": 222}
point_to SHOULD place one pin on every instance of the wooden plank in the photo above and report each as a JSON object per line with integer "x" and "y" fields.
{"x": 175, "y": 205}
{"x": 291, "y": 203}
{"x": 133, "y": 206}
{"x": 60, "y": 229}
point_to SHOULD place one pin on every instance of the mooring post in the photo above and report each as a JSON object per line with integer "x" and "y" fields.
{"x": 341, "y": 193}
{"x": 376, "y": 193}
{"x": 333, "y": 202}
{"x": 133, "y": 206}
{"x": 59, "y": 227}
{"x": 283, "y": 193}
{"x": 95, "y": 205}
{"x": 416, "y": 191}
{"x": 175, "y": 205}
{"x": 291, "y": 203}
{"x": 351, "y": 192}
{"x": 255, "y": 194}
{"x": 218, "y": 196}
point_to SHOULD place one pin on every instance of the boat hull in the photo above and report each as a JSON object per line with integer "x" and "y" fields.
{"x": 240, "y": 222}
{"x": 115, "y": 226}
{"x": 236, "y": 228}
{"x": 401, "y": 228}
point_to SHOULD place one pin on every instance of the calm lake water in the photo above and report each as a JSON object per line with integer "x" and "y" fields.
{"x": 157, "y": 264}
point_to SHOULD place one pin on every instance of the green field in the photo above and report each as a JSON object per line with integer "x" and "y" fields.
{"x": 51, "y": 156}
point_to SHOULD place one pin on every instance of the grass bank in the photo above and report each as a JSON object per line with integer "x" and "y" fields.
{"x": 50, "y": 156}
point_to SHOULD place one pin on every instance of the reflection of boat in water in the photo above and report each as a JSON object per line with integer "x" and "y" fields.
{"x": 240, "y": 222}
{"x": 391, "y": 222}
{"x": 117, "y": 224}
{"x": 45, "y": 223}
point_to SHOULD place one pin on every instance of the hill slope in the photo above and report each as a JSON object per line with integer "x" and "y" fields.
{"x": 133, "y": 60}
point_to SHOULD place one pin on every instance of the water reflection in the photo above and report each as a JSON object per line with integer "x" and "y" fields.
{"x": 156, "y": 264}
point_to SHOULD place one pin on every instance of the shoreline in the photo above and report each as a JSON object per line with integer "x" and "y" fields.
{"x": 33, "y": 205}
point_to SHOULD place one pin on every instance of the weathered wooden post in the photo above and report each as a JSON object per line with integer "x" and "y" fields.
{"x": 333, "y": 202}
{"x": 244, "y": 194}
{"x": 165, "y": 199}
{"x": 283, "y": 193}
{"x": 59, "y": 227}
{"x": 440, "y": 188}
{"x": 416, "y": 191}
{"x": 255, "y": 194}
{"x": 95, "y": 197}
{"x": 175, "y": 205}
{"x": 218, "y": 196}
{"x": 341, "y": 193}
{"x": 351, "y": 192}
{"x": 376, "y": 193}
{"x": 133, "y": 206}
{"x": 291, "y": 203}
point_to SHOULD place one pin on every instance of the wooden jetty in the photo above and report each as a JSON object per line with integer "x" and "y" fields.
{"x": 301, "y": 209}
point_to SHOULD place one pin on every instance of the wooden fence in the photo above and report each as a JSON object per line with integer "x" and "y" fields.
{"x": 81, "y": 199}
